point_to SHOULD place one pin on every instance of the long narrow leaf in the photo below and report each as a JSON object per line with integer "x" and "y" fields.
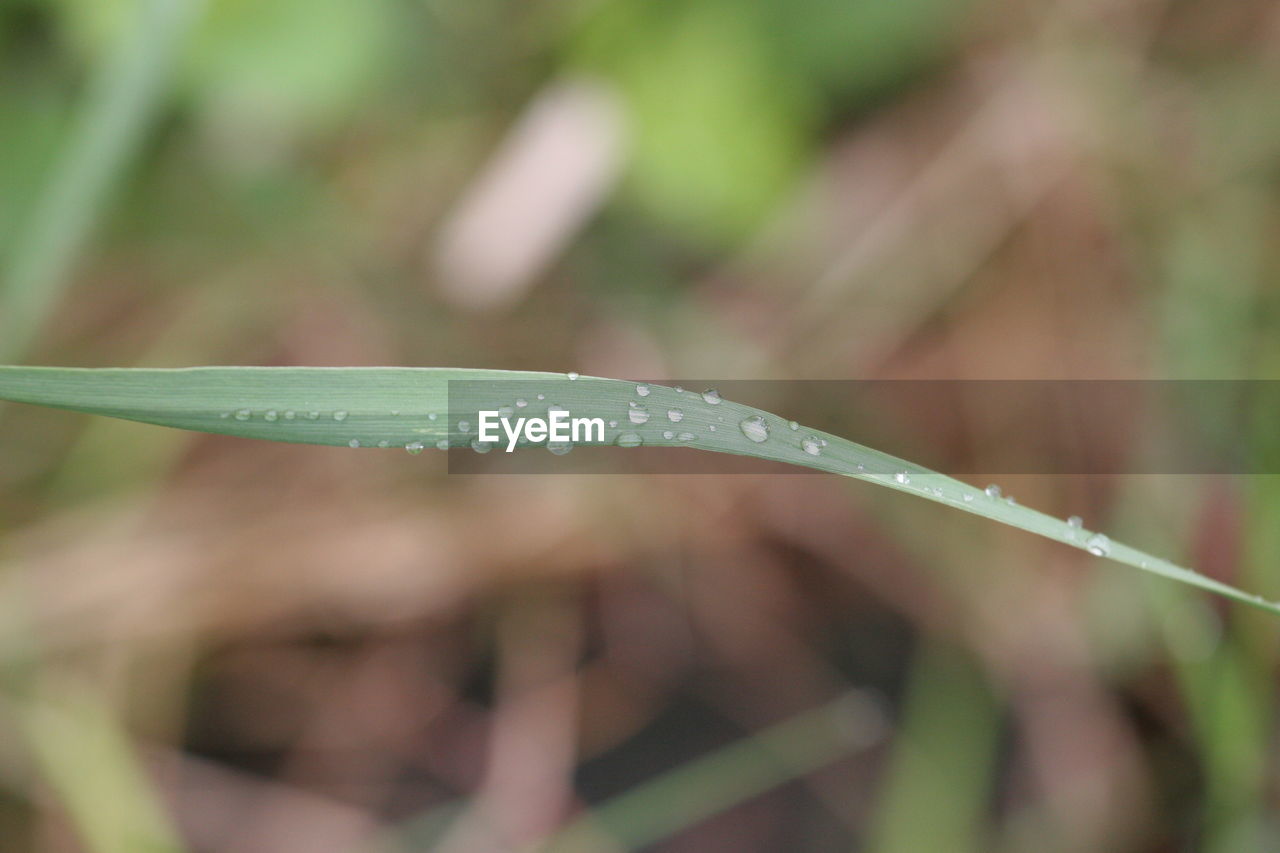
{"x": 416, "y": 408}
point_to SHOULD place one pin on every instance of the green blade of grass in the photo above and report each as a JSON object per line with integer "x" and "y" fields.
{"x": 88, "y": 759}
{"x": 944, "y": 753}
{"x": 415, "y": 407}
{"x": 731, "y": 775}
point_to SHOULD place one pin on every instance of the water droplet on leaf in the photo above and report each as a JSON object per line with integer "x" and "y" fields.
{"x": 755, "y": 428}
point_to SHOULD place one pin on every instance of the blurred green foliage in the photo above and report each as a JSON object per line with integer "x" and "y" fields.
{"x": 729, "y": 99}
{"x": 298, "y": 65}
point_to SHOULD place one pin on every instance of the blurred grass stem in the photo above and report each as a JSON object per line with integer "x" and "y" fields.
{"x": 118, "y": 107}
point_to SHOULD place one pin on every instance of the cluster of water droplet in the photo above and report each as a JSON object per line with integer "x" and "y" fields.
{"x": 755, "y": 428}
{"x": 273, "y": 415}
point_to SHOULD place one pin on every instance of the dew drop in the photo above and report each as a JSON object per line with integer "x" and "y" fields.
{"x": 613, "y": 424}
{"x": 353, "y": 443}
{"x": 505, "y": 411}
{"x": 793, "y": 425}
{"x": 414, "y": 447}
{"x": 243, "y": 415}
{"x": 481, "y": 446}
{"x": 339, "y": 416}
{"x": 668, "y": 434}
{"x": 992, "y": 491}
{"x": 629, "y": 439}
{"x": 686, "y": 436}
{"x": 1098, "y": 545}
{"x": 812, "y": 445}
{"x": 395, "y": 413}
{"x": 755, "y": 428}
{"x": 968, "y": 498}
{"x": 572, "y": 374}
{"x": 675, "y": 415}
{"x": 1010, "y": 500}
{"x": 271, "y": 415}
{"x": 313, "y": 416}
{"x": 711, "y": 427}
{"x": 464, "y": 427}
{"x": 384, "y": 443}
{"x": 711, "y": 396}
{"x": 432, "y": 416}
{"x": 442, "y": 444}
{"x": 638, "y": 414}
{"x": 542, "y": 396}
{"x": 559, "y": 448}
{"x": 1075, "y": 522}
{"x": 521, "y": 402}
{"x": 902, "y": 477}
{"x": 290, "y": 415}
{"x": 679, "y": 390}
{"x": 225, "y": 415}
{"x": 642, "y": 390}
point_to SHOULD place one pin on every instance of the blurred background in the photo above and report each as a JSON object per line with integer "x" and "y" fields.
{"x": 212, "y": 644}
